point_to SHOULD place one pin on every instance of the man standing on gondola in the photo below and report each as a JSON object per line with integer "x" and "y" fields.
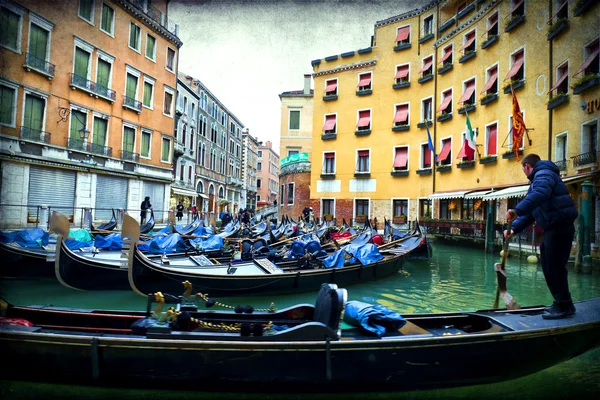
{"x": 146, "y": 205}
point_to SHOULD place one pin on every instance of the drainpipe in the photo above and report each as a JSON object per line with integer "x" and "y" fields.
{"x": 550, "y": 74}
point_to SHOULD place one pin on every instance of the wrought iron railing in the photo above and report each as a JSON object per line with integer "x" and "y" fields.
{"x": 77, "y": 144}
{"x": 93, "y": 87}
{"x": 562, "y": 164}
{"x": 39, "y": 64}
{"x": 35, "y": 135}
{"x": 100, "y": 149}
{"x": 130, "y": 156}
{"x": 156, "y": 15}
{"x": 585, "y": 158}
{"x": 132, "y": 103}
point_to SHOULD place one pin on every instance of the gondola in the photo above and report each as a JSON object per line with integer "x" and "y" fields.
{"x": 299, "y": 348}
{"x": 107, "y": 226}
{"x": 149, "y": 225}
{"x": 423, "y": 252}
{"x": 26, "y": 253}
{"x": 196, "y": 223}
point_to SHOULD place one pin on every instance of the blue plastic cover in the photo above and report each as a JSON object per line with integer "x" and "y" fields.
{"x": 35, "y": 237}
{"x": 366, "y": 254}
{"x": 77, "y": 244}
{"x": 203, "y": 230}
{"x": 375, "y": 319}
{"x": 110, "y": 242}
{"x": 299, "y": 247}
{"x": 212, "y": 243}
{"x": 164, "y": 244}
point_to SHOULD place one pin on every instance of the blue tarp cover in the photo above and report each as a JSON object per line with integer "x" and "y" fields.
{"x": 110, "y": 242}
{"x": 164, "y": 244}
{"x": 35, "y": 237}
{"x": 364, "y": 253}
{"x": 203, "y": 230}
{"x": 299, "y": 247}
{"x": 209, "y": 244}
{"x": 375, "y": 319}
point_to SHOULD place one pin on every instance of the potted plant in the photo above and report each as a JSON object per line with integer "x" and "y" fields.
{"x": 328, "y": 217}
{"x": 586, "y": 81}
{"x": 399, "y": 219}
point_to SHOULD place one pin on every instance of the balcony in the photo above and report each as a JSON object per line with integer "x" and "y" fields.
{"x": 154, "y": 14}
{"x": 562, "y": 165}
{"x": 130, "y": 156}
{"x": 77, "y": 144}
{"x": 39, "y": 65}
{"x": 35, "y": 135}
{"x": 232, "y": 180}
{"x": 93, "y": 88}
{"x": 178, "y": 148}
{"x": 132, "y": 104}
{"x": 252, "y": 188}
{"x": 585, "y": 159}
{"x": 100, "y": 149}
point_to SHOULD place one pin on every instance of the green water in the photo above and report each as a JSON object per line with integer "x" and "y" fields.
{"x": 454, "y": 279}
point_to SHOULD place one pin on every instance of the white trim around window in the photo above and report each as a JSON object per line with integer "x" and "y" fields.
{"x": 486, "y": 138}
{"x": 153, "y": 59}
{"x": 148, "y": 132}
{"x": 139, "y": 41}
{"x": 20, "y": 12}
{"x": 162, "y": 139}
{"x": 174, "y": 59}
{"x": 92, "y": 10}
{"x": 43, "y": 96}
{"x": 171, "y": 91}
{"x": 152, "y": 82}
{"x": 112, "y": 22}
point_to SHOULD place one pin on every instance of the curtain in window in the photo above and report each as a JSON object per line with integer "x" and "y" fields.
{"x": 150, "y": 44}
{"x": 131, "y": 89}
{"x": 82, "y": 59}
{"x": 166, "y": 148}
{"x": 168, "y": 101}
{"x": 170, "y": 58}
{"x": 34, "y": 113}
{"x": 38, "y": 45}
{"x": 9, "y": 21}
{"x": 6, "y": 104}
{"x": 100, "y": 127}
{"x": 85, "y": 9}
{"x": 107, "y": 17}
{"x": 78, "y": 121}
{"x": 147, "y": 94}
{"x": 103, "y": 74}
{"x": 128, "y": 139}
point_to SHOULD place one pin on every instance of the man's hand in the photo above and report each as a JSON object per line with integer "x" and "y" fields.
{"x": 508, "y": 235}
{"x": 511, "y": 215}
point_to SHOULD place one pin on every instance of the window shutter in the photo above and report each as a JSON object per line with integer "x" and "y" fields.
{"x": 78, "y": 120}
{"x": 100, "y": 126}
{"x": 103, "y": 73}
{"x": 6, "y": 104}
{"x": 82, "y": 58}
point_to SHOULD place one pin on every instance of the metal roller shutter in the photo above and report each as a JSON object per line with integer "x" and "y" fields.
{"x": 53, "y": 187}
{"x": 111, "y": 192}
{"x": 156, "y": 191}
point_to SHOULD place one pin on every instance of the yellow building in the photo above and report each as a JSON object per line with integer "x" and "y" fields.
{"x": 296, "y": 121}
{"x": 426, "y": 71}
{"x": 87, "y": 98}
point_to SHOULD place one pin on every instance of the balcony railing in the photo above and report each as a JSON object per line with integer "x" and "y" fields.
{"x": 35, "y": 135}
{"x": 130, "y": 156}
{"x": 179, "y": 148}
{"x": 132, "y": 103}
{"x": 585, "y": 158}
{"x": 92, "y": 87}
{"x": 100, "y": 149}
{"x": 562, "y": 164}
{"x": 234, "y": 181}
{"x": 39, "y": 64}
{"x": 77, "y": 144}
{"x": 156, "y": 15}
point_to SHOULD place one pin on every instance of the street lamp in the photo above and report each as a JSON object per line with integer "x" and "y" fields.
{"x": 84, "y": 133}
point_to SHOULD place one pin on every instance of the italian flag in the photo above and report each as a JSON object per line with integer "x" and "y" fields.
{"x": 469, "y": 135}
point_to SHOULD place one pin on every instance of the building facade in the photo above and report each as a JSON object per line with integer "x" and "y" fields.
{"x": 249, "y": 172}
{"x": 296, "y": 121}
{"x": 429, "y": 72}
{"x": 87, "y": 107}
{"x": 267, "y": 174}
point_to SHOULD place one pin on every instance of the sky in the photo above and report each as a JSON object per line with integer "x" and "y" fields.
{"x": 247, "y": 52}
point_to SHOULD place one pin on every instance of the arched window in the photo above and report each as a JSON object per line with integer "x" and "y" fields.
{"x": 199, "y": 187}
{"x": 221, "y": 193}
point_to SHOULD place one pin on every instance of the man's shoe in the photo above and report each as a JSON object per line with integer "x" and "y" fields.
{"x": 559, "y": 312}
{"x": 552, "y": 307}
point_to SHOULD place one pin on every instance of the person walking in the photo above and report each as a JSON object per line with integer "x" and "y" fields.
{"x": 144, "y": 209}
{"x": 549, "y": 204}
{"x": 225, "y": 219}
{"x": 179, "y": 214}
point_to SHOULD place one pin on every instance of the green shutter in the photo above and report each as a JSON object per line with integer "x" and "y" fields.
{"x": 166, "y": 147}
{"x": 128, "y": 139}
{"x": 85, "y": 9}
{"x": 9, "y": 28}
{"x": 134, "y": 36}
{"x": 78, "y": 120}
{"x": 34, "y": 113}
{"x": 147, "y": 94}
{"x": 131, "y": 88}
{"x": 103, "y": 73}
{"x": 107, "y": 18}
{"x": 7, "y": 105}
{"x": 145, "y": 144}
{"x": 150, "y": 43}
{"x": 82, "y": 59}
{"x": 100, "y": 126}
{"x": 38, "y": 42}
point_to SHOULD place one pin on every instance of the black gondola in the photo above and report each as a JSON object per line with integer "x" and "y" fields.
{"x": 149, "y": 225}
{"x": 107, "y": 226}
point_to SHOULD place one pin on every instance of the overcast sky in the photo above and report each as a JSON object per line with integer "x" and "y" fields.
{"x": 247, "y": 52}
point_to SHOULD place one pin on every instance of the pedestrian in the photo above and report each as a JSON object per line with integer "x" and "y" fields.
{"x": 193, "y": 209}
{"x": 549, "y": 204}
{"x": 144, "y": 207}
{"x": 225, "y": 219}
{"x": 275, "y": 202}
{"x": 179, "y": 214}
{"x": 246, "y": 217}
{"x": 306, "y": 213}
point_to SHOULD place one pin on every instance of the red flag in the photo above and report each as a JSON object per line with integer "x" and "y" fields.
{"x": 518, "y": 125}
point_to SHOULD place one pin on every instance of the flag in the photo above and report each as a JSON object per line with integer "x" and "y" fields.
{"x": 430, "y": 143}
{"x": 518, "y": 125}
{"x": 469, "y": 135}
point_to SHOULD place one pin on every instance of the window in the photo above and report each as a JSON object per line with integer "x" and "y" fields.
{"x": 491, "y": 139}
{"x": 131, "y": 90}
{"x": 107, "y": 23}
{"x": 11, "y": 19}
{"x": 170, "y": 60}
{"x": 510, "y": 129}
{"x": 364, "y": 120}
{"x": 148, "y": 99}
{"x": 327, "y": 207}
{"x": 38, "y": 52}
{"x": 517, "y": 9}
{"x": 446, "y": 104}
{"x": 445, "y": 211}
{"x": 168, "y": 102}
{"x": 491, "y": 83}
{"x": 447, "y": 57}
{"x": 165, "y": 153}
{"x": 562, "y": 79}
{"x": 294, "y": 120}
{"x": 467, "y": 151}
{"x": 468, "y": 96}
{"x": 469, "y": 43}
{"x": 426, "y": 109}
{"x": 425, "y": 208}
{"x": 146, "y": 141}
{"x": 445, "y": 156}
{"x": 292, "y": 152}
{"x": 78, "y": 122}
{"x": 428, "y": 25}
{"x": 290, "y": 191}
{"x": 331, "y": 87}
{"x": 150, "y": 47}
{"x": 100, "y": 130}
{"x": 135, "y": 37}
{"x": 259, "y": 166}
{"x": 361, "y": 208}
{"x": 401, "y": 114}
{"x": 185, "y": 104}
{"x": 329, "y": 128}
{"x": 8, "y": 105}
{"x": 33, "y": 116}
{"x": 364, "y": 81}
{"x": 128, "y": 139}
{"x": 82, "y": 64}
{"x": 427, "y": 67}
{"x": 402, "y": 74}
{"x": 362, "y": 162}
{"x": 260, "y": 153}
{"x": 425, "y": 156}
{"x": 517, "y": 66}
{"x": 259, "y": 183}
{"x": 492, "y": 26}
{"x": 403, "y": 35}
{"x": 591, "y": 63}
{"x": 202, "y": 158}
{"x": 468, "y": 209}
{"x": 329, "y": 163}
{"x": 86, "y": 10}
{"x": 400, "y": 159}
{"x": 399, "y": 207}
{"x": 589, "y": 142}
{"x": 104, "y": 75}
{"x": 560, "y": 151}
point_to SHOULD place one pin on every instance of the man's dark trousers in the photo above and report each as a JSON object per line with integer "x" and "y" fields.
{"x": 555, "y": 251}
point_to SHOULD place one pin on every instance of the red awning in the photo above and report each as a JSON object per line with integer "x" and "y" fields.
{"x": 470, "y": 40}
{"x": 516, "y": 6}
{"x": 364, "y": 119}
{"x": 463, "y": 150}
{"x": 447, "y": 54}
{"x": 557, "y": 84}
{"x": 363, "y": 153}
{"x": 401, "y": 158}
{"x": 588, "y": 60}
{"x": 331, "y": 86}
{"x": 516, "y": 67}
{"x": 401, "y": 113}
{"x": 365, "y": 80}
{"x": 445, "y": 150}
{"x": 445, "y": 102}
{"x": 490, "y": 81}
{"x": 403, "y": 34}
{"x": 492, "y": 141}
{"x": 329, "y": 123}
{"x": 427, "y": 64}
{"x": 402, "y": 72}
{"x": 493, "y": 22}
{"x": 468, "y": 92}
{"x": 329, "y": 155}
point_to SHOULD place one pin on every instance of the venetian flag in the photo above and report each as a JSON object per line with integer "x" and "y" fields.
{"x": 430, "y": 143}
{"x": 469, "y": 135}
{"x": 518, "y": 125}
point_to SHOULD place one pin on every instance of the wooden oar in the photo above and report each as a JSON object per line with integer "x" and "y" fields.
{"x": 397, "y": 241}
{"x": 501, "y": 291}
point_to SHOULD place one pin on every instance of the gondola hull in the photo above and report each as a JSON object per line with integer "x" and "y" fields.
{"x": 443, "y": 350}
{"x": 20, "y": 261}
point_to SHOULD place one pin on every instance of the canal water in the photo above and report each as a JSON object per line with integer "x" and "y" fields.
{"x": 454, "y": 279}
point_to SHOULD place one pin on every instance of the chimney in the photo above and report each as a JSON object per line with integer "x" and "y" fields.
{"x": 307, "y": 84}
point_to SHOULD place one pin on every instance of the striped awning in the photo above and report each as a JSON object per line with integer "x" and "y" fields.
{"x": 514, "y": 191}
{"x": 477, "y": 195}
{"x": 447, "y": 195}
